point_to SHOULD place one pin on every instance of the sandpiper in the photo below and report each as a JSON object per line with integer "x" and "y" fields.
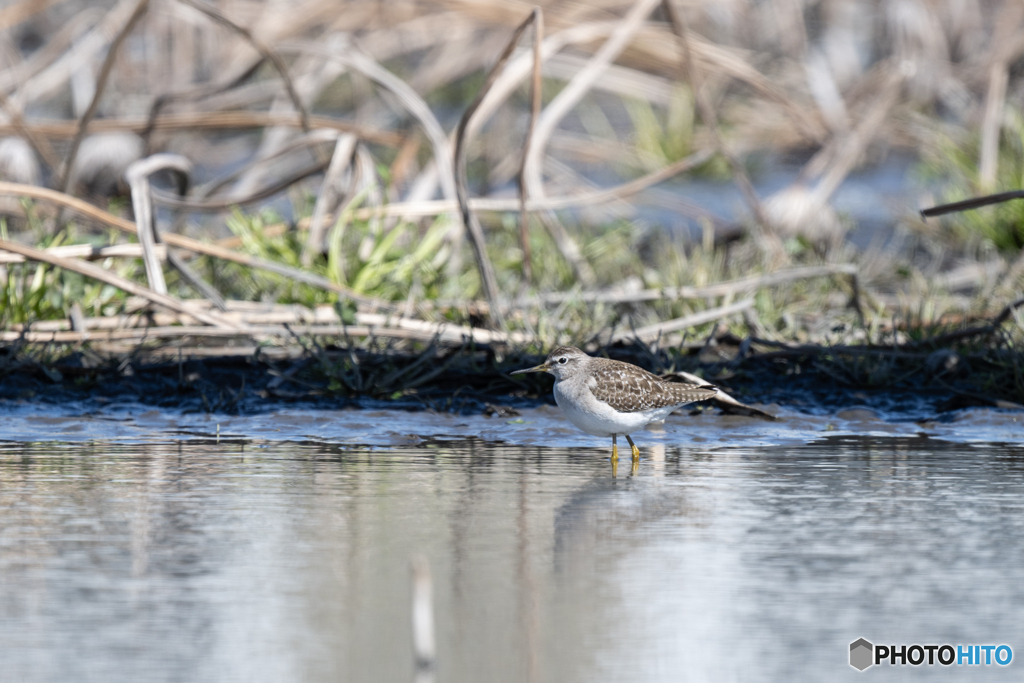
{"x": 608, "y": 397}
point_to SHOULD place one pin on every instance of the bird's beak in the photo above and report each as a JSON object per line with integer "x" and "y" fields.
{"x": 543, "y": 367}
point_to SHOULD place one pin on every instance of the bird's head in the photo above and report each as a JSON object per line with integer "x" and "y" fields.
{"x": 562, "y": 362}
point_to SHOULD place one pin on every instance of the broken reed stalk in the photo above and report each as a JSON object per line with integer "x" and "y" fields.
{"x": 212, "y": 120}
{"x": 974, "y": 203}
{"x": 730, "y": 288}
{"x": 653, "y": 332}
{"x": 707, "y": 111}
{"x": 264, "y": 334}
{"x": 476, "y": 233}
{"x": 580, "y": 84}
{"x": 434, "y": 208}
{"x": 1008, "y": 20}
{"x": 265, "y": 51}
{"x": 349, "y": 55}
{"x": 137, "y": 176}
{"x": 187, "y": 243}
{"x": 557, "y": 109}
{"x": 91, "y": 253}
{"x": 327, "y": 199}
{"x": 101, "y": 84}
{"x": 536, "y": 97}
{"x": 103, "y": 275}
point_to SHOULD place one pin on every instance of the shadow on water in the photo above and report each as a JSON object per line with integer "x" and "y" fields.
{"x": 206, "y": 561}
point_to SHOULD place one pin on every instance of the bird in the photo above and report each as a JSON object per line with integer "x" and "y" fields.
{"x": 605, "y": 397}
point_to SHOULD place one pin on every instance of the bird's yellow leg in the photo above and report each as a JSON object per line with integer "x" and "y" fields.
{"x": 636, "y": 451}
{"x": 615, "y": 449}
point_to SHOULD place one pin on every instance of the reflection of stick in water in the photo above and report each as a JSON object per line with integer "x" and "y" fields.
{"x": 423, "y": 644}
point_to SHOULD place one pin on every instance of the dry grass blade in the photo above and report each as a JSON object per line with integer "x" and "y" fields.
{"x": 97, "y": 273}
{"x": 652, "y": 332}
{"x": 101, "y": 84}
{"x": 265, "y": 51}
{"x": 476, "y": 233}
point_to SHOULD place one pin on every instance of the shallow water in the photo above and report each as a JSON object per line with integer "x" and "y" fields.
{"x": 251, "y": 559}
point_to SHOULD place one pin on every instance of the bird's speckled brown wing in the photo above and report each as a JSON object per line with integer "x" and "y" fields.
{"x": 629, "y": 389}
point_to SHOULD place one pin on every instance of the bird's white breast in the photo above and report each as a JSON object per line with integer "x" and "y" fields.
{"x": 596, "y": 417}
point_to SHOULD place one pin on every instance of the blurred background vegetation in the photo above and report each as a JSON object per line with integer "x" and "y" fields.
{"x": 320, "y": 136}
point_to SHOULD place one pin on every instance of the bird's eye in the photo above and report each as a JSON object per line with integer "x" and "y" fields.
{"x": 563, "y": 360}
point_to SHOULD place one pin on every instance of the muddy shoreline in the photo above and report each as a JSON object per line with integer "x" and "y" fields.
{"x": 466, "y": 382}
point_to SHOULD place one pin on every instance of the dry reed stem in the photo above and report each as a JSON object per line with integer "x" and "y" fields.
{"x": 369, "y": 326}
{"x": 653, "y": 332}
{"x": 327, "y": 199}
{"x": 851, "y": 148}
{"x": 556, "y": 111}
{"x": 214, "y": 120}
{"x": 1009, "y": 18}
{"x": 472, "y": 225}
{"x": 973, "y": 203}
{"x": 434, "y": 208}
{"x": 356, "y": 59}
{"x": 101, "y": 84}
{"x": 264, "y": 51}
{"x": 317, "y": 136}
{"x": 729, "y": 288}
{"x": 995, "y": 97}
{"x": 707, "y": 112}
{"x": 91, "y": 253}
{"x": 187, "y": 243}
{"x": 149, "y": 232}
{"x": 536, "y": 95}
{"x": 137, "y": 176}
{"x": 200, "y": 92}
{"x": 97, "y": 273}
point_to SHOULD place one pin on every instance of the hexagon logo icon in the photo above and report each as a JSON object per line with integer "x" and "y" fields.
{"x": 861, "y": 654}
